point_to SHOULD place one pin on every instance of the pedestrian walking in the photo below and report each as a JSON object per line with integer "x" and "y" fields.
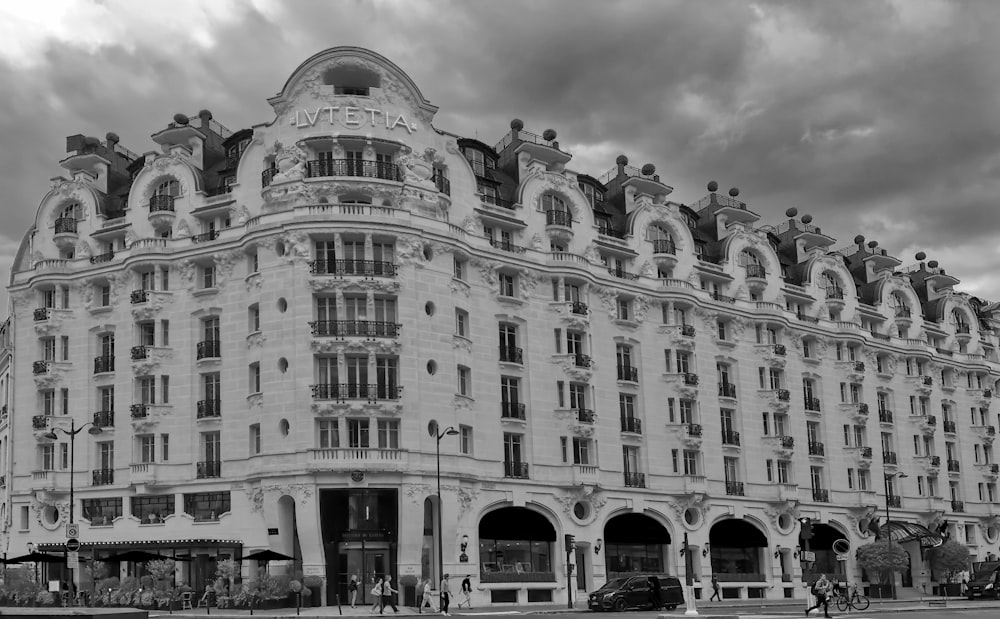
{"x": 821, "y": 590}
{"x": 465, "y": 592}
{"x": 387, "y": 592}
{"x": 377, "y": 595}
{"x": 445, "y": 591}
{"x": 715, "y": 589}
{"x": 352, "y": 588}
{"x": 427, "y": 596}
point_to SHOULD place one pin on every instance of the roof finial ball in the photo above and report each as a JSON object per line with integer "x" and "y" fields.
{"x": 517, "y": 124}
{"x": 621, "y": 160}
{"x": 181, "y": 119}
{"x": 648, "y": 169}
{"x": 807, "y": 219}
{"x": 858, "y": 240}
{"x": 735, "y": 191}
{"x": 205, "y": 114}
{"x": 933, "y": 264}
{"x": 872, "y": 244}
{"x": 549, "y": 135}
{"x": 792, "y": 212}
{"x": 920, "y": 255}
{"x": 713, "y": 186}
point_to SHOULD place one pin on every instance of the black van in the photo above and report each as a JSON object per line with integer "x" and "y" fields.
{"x": 636, "y": 592}
{"x": 985, "y": 580}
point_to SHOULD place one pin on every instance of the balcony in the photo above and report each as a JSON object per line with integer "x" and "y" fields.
{"x": 866, "y": 452}
{"x": 578, "y": 308}
{"x": 885, "y": 416}
{"x": 889, "y": 457}
{"x": 902, "y": 312}
{"x": 360, "y": 268}
{"x": 354, "y": 458}
{"x": 65, "y": 225}
{"x": 39, "y": 367}
{"x": 734, "y": 488}
{"x": 894, "y": 501}
{"x": 354, "y": 328}
{"x": 958, "y": 506}
{"x": 821, "y": 495}
{"x": 585, "y": 415}
{"x": 100, "y": 258}
{"x": 628, "y": 373}
{"x": 511, "y": 354}
{"x": 139, "y": 411}
{"x": 496, "y": 201}
{"x": 787, "y": 442}
{"x": 507, "y": 246}
{"x": 816, "y": 448}
{"x": 559, "y": 218}
{"x": 779, "y": 349}
{"x": 208, "y": 349}
{"x": 755, "y": 271}
{"x": 382, "y": 170}
{"x": 859, "y": 366}
{"x": 40, "y": 422}
{"x": 355, "y": 391}
{"x": 812, "y": 404}
{"x": 104, "y": 419}
{"x": 835, "y": 294}
{"x": 727, "y": 390}
{"x": 512, "y": 410}
{"x": 635, "y": 480}
{"x": 582, "y": 361}
{"x": 930, "y": 420}
{"x": 783, "y": 395}
{"x": 442, "y": 183}
{"x": 730, "y": 437}
{"x": 631, "y": 425}
{"x": 139, "y": 352}
{"x": 694, "y": 429}
{"x": 209, "y": 409}
{"x": 103, "y": 477}
{"x": 515, "y": 470}
{"x": 139, "y": 296}
{"x": 690, "y": 379}
{"x": 935, "y": 461}
{"x": 664, "y": 246}
{"x": 161, "y": 203}
{"x": 210, "y": 468}
{"x": 623, "y": 274}
{"x": 105, "y": 363}
{"x": 204, "y": 237}
{"x": 41, "y": 313}
{"x": 862, "y": 408}
{"x": 954, "y": 466}
{"x": 606, "y": 230}
{"x": 687, "y": 330}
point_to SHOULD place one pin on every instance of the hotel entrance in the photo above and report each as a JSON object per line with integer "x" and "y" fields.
{"x": 366, "y": 561}
{"x": 360, "y": 538}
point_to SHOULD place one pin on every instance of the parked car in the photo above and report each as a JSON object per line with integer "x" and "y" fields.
{"x": 985, "y": 581}
{"x": 636, "y": 592}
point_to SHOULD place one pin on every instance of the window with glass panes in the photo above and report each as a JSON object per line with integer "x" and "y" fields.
{"x": 204, "y": 506}
{"x": 327, "y": 433}
{"x": 146, "y": 444}
{"x": 357, "y": 433}
{"x": 152, "y": 508}
{"x": 388, "y": 434}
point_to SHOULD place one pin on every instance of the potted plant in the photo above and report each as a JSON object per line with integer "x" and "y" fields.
{"x": 882, "y": 559}
{"x": 315, "y": 586}
{"x": 949, "y": 558}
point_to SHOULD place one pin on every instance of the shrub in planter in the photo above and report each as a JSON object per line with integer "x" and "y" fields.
{"x": 45, "y": 598}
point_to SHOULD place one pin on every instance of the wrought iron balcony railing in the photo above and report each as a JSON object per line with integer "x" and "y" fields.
{"x": 104, "y": 419}
{"x": 784, "y": 395}
{"x": 687, "y": 330}
{"x": 690, "y": 378}
{"x": 727, "y": 390}
{"x": 664, "y": 246}
{"x": 39, "y": 367}
{"x": 138, "y": 296}
{"x": 779, "y": 349}
{"x": 821, "y": 495}
{"x": 104, "y": 363}
{"x": 631, "y": 424}
{"x": 889, "y": 457}
{"x": 788, "y": 442}
{"x": 139, "y": 411}
{"x": 948, "y": 426}
{"x": 208, "y": 349}
{"x": 558, "y": 218}
{"x": 730, "y": 437}
{"x": 511, "y": 354}
{"x": 635, "y": 480}
{"x": 885, "y": 415}
{"x": 103, "y": 477}
{"x": 628, "y": 373}
{"x": 40, "y": 422}
{"x": 816, "y": 448}
{"x": 515, "y": 470}
{"x": 585, "y": 415}
{"x": 161, "y": 203}
{"x": 65, "y": 225}
{"x": 204, "y": 237}
{"x": 734, "y": 488}
{"x": 755, "y": 271}
{"x": 209, "y": 468}
{"x": 382, "y": 170}
{"x": 354, "y": 328}
{"x": 356, "y": 391}
{"x": 958, "y": 506}
{"x": 360, "y": 268}
{"x": 41, "y": 313}
{"x": 694, "y": 429}
{"x": 579, "y": 308}
{"x": 811, "y": 404}
{"x": 582, "y": 361}
{"x": 209, "y": 408}
{"x": 512, "y": 410}
{"x": 954, "y": 466}
{"x": 894, "y": 501}
{"x": 139, "y": 352}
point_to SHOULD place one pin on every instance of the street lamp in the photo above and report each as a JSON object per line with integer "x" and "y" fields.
{"x": 71, "y": 433}
{"x": 433, "y": 430}
{"x": 886, "y": 477}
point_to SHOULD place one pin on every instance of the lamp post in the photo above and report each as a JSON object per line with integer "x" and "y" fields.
{"x": 438, "y": 434}
{"x": 71, "y": 433}
{"x": 886, "y": 477}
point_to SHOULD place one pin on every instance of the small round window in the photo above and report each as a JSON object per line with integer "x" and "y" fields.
{"x": 432, "y": 367}
{"x": 692, "y": 517}
{"x": 282, "y": 305}
{"x": 429, "y": 308}
{"x": 279, "y": 248}
{"x": 50, "y": 515}
{"x": 282, "y": 365}
{"x": 284, "y": 427}
{"x": 581, "y": 510}
{"x": 785, "y": 522}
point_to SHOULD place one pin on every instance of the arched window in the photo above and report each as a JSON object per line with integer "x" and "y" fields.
{"x": 72, "y": 211}
{"x": 170, "y": 188}
{"x": 827, "y": 281}
{"x": 899, "y": 307}
{"x": 552, "y": 202}
{"x": 663, "y": 241}
{"x": 959, "y": 321}
{"x": 751, "y": 264}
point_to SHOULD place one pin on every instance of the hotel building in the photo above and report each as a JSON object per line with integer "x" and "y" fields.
{"x": 272, "y": 338}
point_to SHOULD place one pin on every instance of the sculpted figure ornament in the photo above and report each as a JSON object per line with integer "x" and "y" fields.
{"x": 291, "y": 163}
{"x": 82, "y": 249}
{"x": 183, "y": 229}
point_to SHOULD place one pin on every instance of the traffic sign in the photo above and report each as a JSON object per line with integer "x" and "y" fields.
{"x": 72, "y": 559}
{"x": 72, "y": 530}
{"x": 808, "y": 555}
{"x": 842, "y": 557}
{"x": 72, "y": 544}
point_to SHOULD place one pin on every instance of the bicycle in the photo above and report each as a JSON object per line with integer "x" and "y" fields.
{"x": 851, "y": 598}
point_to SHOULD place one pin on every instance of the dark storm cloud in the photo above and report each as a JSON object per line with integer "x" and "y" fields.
{"x": 876, "y": 117}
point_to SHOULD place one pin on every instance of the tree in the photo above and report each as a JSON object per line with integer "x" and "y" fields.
{"x": 950, "y": 557}
{"x": 883, "y": 558}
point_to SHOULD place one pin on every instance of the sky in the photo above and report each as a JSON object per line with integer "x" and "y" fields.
{"x": 876, "y": 117}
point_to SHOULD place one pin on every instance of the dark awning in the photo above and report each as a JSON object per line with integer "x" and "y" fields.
{"x": 901, "y": 532}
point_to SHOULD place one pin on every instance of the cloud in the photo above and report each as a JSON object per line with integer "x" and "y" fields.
{"x": 880, "y": 117}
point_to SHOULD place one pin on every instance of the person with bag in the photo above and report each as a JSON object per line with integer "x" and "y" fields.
{"x": 427, "y": 596}
{"x": 377, "y": 594}
{"x": 445, "y": 595}
{"x": 821, "y": 590}
{"x": 387, "y": 592}
{"x": 715, "y": 589}
{"x": 465, "y": 592}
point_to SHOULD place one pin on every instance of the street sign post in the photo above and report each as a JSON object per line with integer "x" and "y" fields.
{"x": 72, "y": 530}
{"x": 72, "y": 559}
{"x": 72, "y": 544}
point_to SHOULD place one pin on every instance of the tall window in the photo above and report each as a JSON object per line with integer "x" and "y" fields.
{"x": 254, "y": 439}
{"x": 357, "y": 433}
{"x": 147, "y": 448}
{"x": 211, "y": 446}
{"x": 507, "y": 285}
{"x": 464, "y": 381}
{"x": 465, "y": 439}
{"x": 581, "y": 451}
{"x": 388, "y": 434}
{"x": 328, "y": 433}
{"x": 512, "y": 448}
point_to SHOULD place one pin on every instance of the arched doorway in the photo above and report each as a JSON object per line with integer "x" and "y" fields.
{"x": 516, "y": 544}
{"x": 821, "y": 545}
{"x": 737, "y": 550}
{"x": 635, "y": 543}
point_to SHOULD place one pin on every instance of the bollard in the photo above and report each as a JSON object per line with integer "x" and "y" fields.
{"x": 339, "y": 609}
{"x": 298, "y": 602}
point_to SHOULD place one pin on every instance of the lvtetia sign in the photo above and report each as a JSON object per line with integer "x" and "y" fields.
{"x": 351, "y": 117}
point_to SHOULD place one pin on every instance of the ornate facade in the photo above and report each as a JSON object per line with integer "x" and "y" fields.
{"x": 261, "y": 325}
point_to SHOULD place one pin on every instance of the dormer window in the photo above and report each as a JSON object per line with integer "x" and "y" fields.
{"x": 351, "y": 80}
{"x": 480, "y": 162}
{"x": 170, "y": 188}
{"x": 73, "y": 211}
{"x": 360, "y": 91}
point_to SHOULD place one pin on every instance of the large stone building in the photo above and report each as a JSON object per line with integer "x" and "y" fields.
{"x": 261, "y": 326}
